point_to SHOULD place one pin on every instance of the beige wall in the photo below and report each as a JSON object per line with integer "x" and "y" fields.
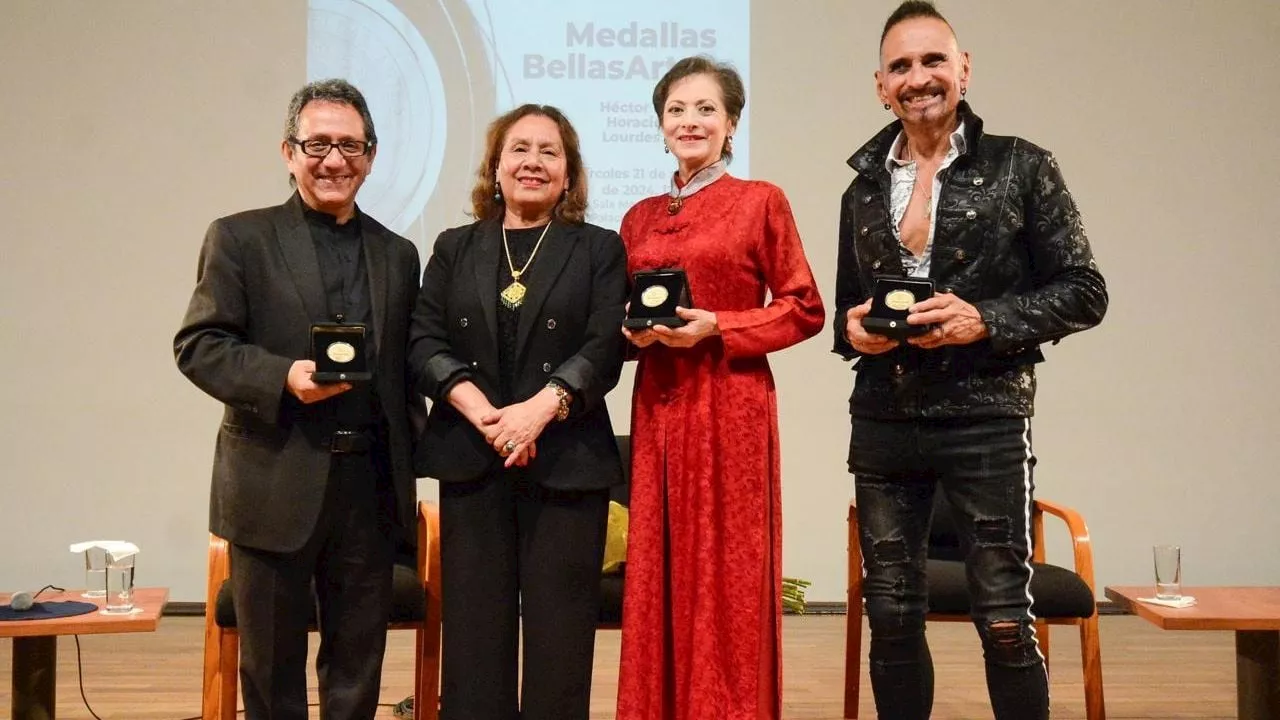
{"x": 128, "y": 126}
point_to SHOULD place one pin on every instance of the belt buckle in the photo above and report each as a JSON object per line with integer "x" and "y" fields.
{"x": 348, "y": 441}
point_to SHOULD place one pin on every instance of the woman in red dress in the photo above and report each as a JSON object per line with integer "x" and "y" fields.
{"x": 702, "y": 612}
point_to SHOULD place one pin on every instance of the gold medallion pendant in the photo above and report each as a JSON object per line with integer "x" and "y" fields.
{"x": 513, "y": 294}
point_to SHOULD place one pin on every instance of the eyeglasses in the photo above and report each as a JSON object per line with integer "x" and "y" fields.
{"x": 322, "y": 148}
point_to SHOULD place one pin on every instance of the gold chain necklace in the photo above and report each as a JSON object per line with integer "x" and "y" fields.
{"x": 513, "y": 294}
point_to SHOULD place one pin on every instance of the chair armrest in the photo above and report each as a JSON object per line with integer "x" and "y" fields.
{"x": 429, "y": 549}
{"x": 219, "y": 569}
{"x": 1081, "y": 545}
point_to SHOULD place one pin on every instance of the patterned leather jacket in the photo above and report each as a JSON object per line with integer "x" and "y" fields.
{"x": 1008, "y": 239}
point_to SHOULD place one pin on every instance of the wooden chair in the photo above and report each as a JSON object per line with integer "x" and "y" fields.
{"x": 415, "y": 605}
{"x": 1063, "y": 596}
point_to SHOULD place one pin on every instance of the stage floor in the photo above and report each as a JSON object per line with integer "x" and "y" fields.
{"x": 1148, "y": 673}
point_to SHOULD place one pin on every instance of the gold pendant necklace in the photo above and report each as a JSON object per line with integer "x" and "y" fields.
{"x": 513, "y": 295}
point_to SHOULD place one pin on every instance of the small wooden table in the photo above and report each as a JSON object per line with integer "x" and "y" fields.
{"x": 35, "y": 645}
{"x": 1252, "y": 612}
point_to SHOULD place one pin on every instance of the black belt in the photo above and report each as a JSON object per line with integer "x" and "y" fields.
{"x": 355, "y": 442}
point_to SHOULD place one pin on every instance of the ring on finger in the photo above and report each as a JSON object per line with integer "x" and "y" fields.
{"x": 510, "y": 447}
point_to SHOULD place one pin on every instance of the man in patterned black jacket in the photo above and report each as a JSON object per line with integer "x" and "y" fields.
{"x": 989, "y": 220}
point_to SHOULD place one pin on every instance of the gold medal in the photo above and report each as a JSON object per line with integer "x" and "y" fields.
{"x": 512, "y": 295}
{"x": 653, "y": 296}
{"x": 341, "y": 352}
{"x": 899, "y": 299}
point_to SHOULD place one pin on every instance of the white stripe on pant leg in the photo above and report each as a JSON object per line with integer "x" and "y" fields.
{"x": 1026, "y": 495}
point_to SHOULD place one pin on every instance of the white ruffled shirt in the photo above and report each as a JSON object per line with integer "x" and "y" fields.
{"x": 902, "y": 174}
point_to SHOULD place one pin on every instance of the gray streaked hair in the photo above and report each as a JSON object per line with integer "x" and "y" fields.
{"x": 334, "y": 90}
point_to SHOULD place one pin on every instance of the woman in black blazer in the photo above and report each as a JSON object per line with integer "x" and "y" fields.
{"x": 515, "y": 339}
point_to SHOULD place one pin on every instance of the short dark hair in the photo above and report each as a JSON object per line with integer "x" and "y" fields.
{"x": 910, "y": 10}
{"x": 571, "y": 209}
{"x": 334, "y": 90}
{"x": 730, "y": 82}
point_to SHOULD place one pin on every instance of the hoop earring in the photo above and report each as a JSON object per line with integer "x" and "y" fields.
{"x": 886, "y": 106}
{"x": 963, "y": 90}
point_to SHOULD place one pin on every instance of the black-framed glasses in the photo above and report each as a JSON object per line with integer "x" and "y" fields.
{"x": 322, "y": 148}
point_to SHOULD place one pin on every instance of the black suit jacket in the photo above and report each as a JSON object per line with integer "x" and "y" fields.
{"x": 258, "y": 290}
{"x": 569, "y": 330}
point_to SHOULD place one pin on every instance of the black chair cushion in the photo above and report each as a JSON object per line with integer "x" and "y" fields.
{"x": 611, "y": 598}
{"x": 1057, "y": 591}
{"x": 408, "y": 600}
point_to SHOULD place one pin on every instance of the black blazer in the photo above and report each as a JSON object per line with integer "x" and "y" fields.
{"x": 258, "y": 289}
{"x": 569, "y": 329}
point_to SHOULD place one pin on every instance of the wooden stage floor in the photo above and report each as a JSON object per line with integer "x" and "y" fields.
{"x": 1149, "y": 673}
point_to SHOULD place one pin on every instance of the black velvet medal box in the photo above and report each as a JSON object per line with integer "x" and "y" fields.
{"x": 339, "y": 353}
{"x": 889, "y": 303}
{"x": 654, "y": 297}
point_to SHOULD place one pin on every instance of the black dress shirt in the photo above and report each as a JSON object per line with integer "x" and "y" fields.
{"x": 521, "y": 242}
{"x": 340, "y": 251}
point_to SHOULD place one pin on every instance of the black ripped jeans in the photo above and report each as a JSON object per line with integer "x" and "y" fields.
{"x": 984, "y": 467}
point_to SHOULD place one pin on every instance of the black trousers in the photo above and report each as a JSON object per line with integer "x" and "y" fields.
{"x": 985, "y": 468}
{"x": 512, "y": 551}
{"x": 349, "y": 557}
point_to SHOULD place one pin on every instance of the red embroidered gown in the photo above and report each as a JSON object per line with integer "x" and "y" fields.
{"x": 702, "y": 613}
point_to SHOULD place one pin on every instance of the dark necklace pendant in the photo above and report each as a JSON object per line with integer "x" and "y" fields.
{"x": 673, "y": 207}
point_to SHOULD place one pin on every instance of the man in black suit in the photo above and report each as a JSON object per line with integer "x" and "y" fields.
{"x": 312, "y": 482}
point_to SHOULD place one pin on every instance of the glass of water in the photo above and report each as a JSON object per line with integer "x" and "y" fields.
{"x": 95, "y": 573}
{"x": 1168, "y": 562}
{"x": 119, "y": 585}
